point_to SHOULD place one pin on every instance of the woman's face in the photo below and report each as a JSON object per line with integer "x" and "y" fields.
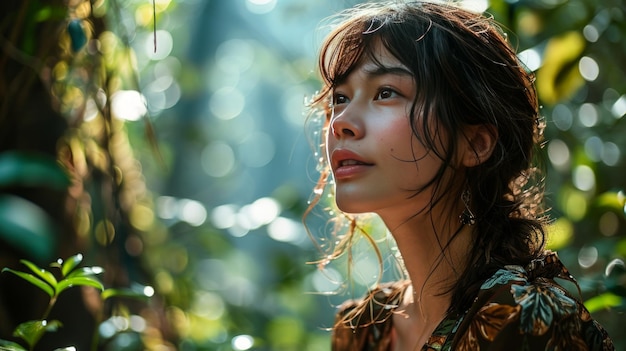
{"x": 376, "y": 160}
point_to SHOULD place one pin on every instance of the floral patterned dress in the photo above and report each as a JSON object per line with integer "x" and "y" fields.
{"x": 518, "y": 308}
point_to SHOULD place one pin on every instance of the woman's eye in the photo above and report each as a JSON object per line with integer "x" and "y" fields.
{"x": 339, "y": 99}
{"x": 385, "y": 93}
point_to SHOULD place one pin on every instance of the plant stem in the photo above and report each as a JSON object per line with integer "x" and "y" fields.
{"x": 53, "y": 300}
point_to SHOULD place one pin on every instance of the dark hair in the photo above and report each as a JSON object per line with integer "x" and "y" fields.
{"x": 466, "y": 74}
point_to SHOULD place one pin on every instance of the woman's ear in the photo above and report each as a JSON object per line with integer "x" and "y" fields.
{"x": 478, "y": 143}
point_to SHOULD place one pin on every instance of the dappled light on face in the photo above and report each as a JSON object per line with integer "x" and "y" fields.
{"x": 260, "y": 7}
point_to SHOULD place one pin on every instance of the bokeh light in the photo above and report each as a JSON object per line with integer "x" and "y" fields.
{"x": 218, "y": 159}
{"x": 260, "y": 6}
{"x": 589, "y": 68}
{"x": 128, "y": 105}
{"x": 242, "y": 342}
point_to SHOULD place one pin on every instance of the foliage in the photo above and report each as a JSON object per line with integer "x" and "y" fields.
{"x": 69, "y": 275}
{"x": 579, "y": 81}
{"x": 22, "y": 223}
{"x": 68, "y": 179}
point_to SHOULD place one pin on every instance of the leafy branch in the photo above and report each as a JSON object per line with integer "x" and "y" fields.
{"x": 70, "y": 275}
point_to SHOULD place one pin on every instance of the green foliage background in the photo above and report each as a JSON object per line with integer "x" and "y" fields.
{"x": 197, "y": 186}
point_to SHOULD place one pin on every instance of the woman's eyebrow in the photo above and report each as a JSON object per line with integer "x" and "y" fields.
{"x": 379, "y": 70}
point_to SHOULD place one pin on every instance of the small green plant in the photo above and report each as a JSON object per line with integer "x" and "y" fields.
{"x": 70, "y": 275}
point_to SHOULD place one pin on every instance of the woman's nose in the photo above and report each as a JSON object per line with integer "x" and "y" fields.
{"x": 346, "y": 124}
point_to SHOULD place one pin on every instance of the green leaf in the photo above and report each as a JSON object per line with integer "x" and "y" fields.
{"x": 50, "y": 13}
{"x": 71, "y": 263}
{"x": 27, "y": 227}
{"x": 33, "y": 280}
{"x": 604, "y": 301}
{"x": 68, "y": 348}
{"x": 42, "y": 273}
{"x": 28, "y": 169}
{"x": 6, "y": 345}
{"x": 32, "y": 331}
{"x": 86, "y": 272}
{"x": 76, "y": 281}
{"x": 559, "y": 77}
{"x": 610, "y": 199}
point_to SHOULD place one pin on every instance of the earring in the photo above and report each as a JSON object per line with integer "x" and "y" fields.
{"x": 467, "y": 217}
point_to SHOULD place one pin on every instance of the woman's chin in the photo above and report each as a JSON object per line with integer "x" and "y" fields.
{"x": 352, "y": 207}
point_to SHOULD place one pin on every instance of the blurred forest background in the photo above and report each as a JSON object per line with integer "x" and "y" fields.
{"x": 165, "y": 141}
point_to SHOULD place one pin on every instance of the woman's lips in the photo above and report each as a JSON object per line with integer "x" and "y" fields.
{"x": 348, "y": 164}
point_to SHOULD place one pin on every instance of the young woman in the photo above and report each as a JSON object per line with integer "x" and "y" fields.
{"x": 432, "y": 124}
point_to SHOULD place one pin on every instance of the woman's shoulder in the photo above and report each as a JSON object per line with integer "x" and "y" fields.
{"x": 526, "y": 307}
{"x": 375, "y": 307}
{"x": 365, "y": 323}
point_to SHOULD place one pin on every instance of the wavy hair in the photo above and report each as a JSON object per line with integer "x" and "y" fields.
{"x": 466, "y": 73}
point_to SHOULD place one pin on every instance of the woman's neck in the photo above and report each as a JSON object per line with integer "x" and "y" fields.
{"x": 434, "y": 256}
{"x": 434, "y": 250}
